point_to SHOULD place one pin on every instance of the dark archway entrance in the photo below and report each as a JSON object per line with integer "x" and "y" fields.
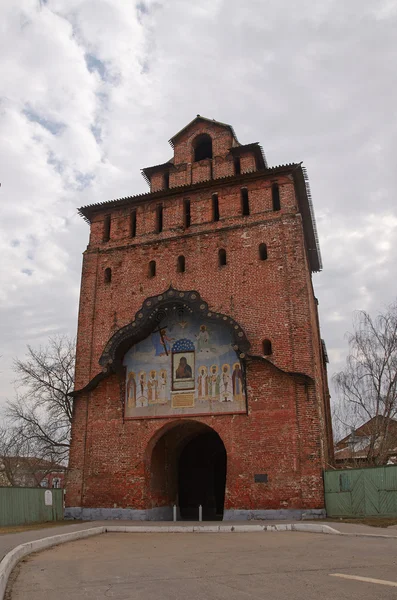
{"x": 202, "y": 477}
{"x": 188, "y": 468}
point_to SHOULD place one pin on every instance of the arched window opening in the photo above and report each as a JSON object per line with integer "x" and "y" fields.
{"x": 222, "y": 257}
{"x": 186, "y": 214}
{"x": 166, "y": 180}
{"x": 106, "y": 228}
{"x": 267, "y": 347}
{"x": 245, "y": 205}
{"x": 152, "y": 268}
{"x": 202, "y": 147}
{"x": 133, "y": 223}
{"x": 262, "y": 251}
{"x": 237, "y": 166}
{"x": 108, "y": 275}
{"x": 159, "y": 218}
{"x": 276, "y": 197}
{"x": 215, "y": 207}
{"x": 180, "y": 267}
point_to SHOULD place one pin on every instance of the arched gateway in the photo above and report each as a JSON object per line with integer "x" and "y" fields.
{"x": 187, "y": 465}
{"x": 173, "y": 404}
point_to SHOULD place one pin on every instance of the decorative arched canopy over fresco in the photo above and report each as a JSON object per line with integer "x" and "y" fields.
{"x": 153, "y": 311}
{"x": 180, "y": 358}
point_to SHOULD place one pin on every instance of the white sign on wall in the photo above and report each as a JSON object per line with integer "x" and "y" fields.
{"x": 48, "y": 498}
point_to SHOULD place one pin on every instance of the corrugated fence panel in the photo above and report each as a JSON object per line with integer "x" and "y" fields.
{"x": 361, "y": 492}
{"x": 30, "y": 505}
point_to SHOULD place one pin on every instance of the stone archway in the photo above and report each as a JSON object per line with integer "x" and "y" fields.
{"x": 187, "y": 466}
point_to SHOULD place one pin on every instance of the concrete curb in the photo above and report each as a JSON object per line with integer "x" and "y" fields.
{"x": 369, "y": 535}
{"x": 13, "y": 557}
{"x": 303, "y": 527}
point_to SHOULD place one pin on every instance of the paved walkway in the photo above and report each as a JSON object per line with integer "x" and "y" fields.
{"x": 220, "y": 566}
{"x": 8, "y": 541}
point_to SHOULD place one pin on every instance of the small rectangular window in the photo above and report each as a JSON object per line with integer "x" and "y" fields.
{"x": 215, "y": 207}
{"x": 133, "y": 223}
{"x": 166, "y": 180}
{"x": 237, "y": 166}
{"x": 106, "y": 228}
{"x": 276, "y": 197}
{"x": 186, "y": 214}
{"x": 245, "y": 207}
{"x": 159, "y": 218}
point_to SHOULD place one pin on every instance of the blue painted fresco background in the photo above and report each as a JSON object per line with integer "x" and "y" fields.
{"x": 209, "y": 371}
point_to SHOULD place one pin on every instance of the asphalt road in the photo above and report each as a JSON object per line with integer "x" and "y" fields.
{"x": 206, "y": 566}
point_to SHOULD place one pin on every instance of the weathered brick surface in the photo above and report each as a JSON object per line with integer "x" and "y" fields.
{"x": 286, "y": 432}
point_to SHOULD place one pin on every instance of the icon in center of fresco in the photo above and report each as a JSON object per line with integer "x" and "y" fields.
{"x": 183, "y": 365}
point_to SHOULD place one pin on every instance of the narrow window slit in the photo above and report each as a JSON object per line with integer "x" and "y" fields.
{"x": 262, "y": 252}
{"x": 222, "y": 257}
{"x": 267, "y": 347}
{"x": 152, "y": 268}
{"x": 133, "y": 223}
{"x": 159, "y": 218}
{"x": 108, "y": 275}
{"x": 181, "y": 264}
{"x": 237, "y": 166}
{"x": 186, "y": 214}
{"x": 276, "y": 197}
{"x": 245, "y": 206}
{"x": 215, "y": 207}
{"x": 106, "y": 228}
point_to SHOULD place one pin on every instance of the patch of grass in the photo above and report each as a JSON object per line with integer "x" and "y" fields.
{"x": 371, "y": 521}
{"x": 32, "y": 526}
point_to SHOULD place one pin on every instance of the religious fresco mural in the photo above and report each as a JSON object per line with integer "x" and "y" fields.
{"x": 185, "y": 367}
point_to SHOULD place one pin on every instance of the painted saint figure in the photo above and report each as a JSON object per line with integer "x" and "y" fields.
{"x": 162, "y": 387}
{"x": 238, "y": 384}
{"x": 213, "y": 383}
{"x": 152, "y": 388}
{"x": 142, "y": 390}
{"x": 226, "y": 392}
{"x": 131, "y": 390}
{"x": 203, "y": 339}
{"x": 202, "y": 381}
{"x": 184, "y": 370}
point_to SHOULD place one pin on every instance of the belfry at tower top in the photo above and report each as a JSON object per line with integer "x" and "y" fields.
{"x": 211, "y": 122}
{"x": 209, "y": 159}
{"x": 200, "y": 140}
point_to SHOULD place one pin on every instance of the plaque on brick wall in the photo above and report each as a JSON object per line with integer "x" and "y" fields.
{"x": 260, "y": 478}
{"x": 185, "y": 400}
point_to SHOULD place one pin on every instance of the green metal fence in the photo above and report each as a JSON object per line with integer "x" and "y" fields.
{"x": 30, "y": 505}
{"x": 361, "y": 492}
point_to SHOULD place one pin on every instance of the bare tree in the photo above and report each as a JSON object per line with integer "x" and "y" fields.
{"x": 42, "y": 409}
{"x": 20, "y": 461}
{"x": 368, "y": 384}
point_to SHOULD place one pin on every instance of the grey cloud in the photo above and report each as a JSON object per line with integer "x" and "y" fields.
{"x": 309, "y": 81}
{"x": 94, "y": 65}
{"x": 53, "y": 127}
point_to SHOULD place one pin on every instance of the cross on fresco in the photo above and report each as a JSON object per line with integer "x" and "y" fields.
{"x": 185, "y": 367}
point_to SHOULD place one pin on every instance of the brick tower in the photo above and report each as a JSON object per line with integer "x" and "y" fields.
{"x": 200, "y": 375}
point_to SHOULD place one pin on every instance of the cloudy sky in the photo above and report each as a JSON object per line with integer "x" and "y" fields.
{"x": 91, "y": 90}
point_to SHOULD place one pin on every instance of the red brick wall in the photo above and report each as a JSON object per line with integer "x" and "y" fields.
{"x": 285, "y": 433}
